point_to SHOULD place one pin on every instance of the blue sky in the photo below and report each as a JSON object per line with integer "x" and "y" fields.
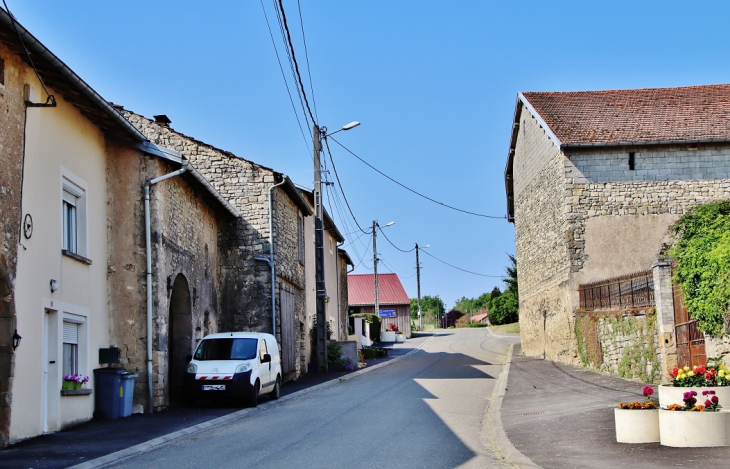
{"x": 433, "y": 84}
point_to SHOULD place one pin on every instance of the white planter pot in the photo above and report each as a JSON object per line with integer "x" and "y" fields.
{"x": 637, "y": 426}
{"x": 670, "y": 395}
{"x": 387, "y": 336}
{"x": 400, "y": 338}
{"x": 694, "y": 429}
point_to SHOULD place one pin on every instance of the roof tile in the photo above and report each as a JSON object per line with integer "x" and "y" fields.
{"x": 361, "y": 290}
{"x": 643, "y": 115}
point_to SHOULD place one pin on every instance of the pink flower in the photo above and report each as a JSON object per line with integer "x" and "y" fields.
{"x": 648, "y": 391}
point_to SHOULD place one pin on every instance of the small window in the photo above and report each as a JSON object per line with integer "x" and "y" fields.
{"x": 73, "y": 215}
{"x": 263, "y": 351}
{"x": 70, "y": 348}
{"x": 632, "y": 160}
{"x": 70, "y": 222}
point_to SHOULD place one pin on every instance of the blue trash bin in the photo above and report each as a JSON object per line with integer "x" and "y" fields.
{"x": 126, "y": 393}
{"x": 107, "y": 391}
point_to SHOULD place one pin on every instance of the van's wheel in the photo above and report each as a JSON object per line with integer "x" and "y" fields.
{"x": 253, "y": 398}
{"x": 276, "y": 392}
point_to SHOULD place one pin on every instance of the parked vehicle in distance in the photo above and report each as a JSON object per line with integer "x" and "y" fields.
{"x": 234, "y": 365}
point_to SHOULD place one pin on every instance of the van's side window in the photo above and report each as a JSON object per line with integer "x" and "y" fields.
{"x": 263, "y": 350}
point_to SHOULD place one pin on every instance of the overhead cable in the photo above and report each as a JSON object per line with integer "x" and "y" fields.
{"x": 334, "y": 168}
{"x": 306, "y": 56}
{"x": 459, "y": 268}
{"x": 283, "y": 75}
{"x": 391, "y": 242}
{"x": 414, "y": 191}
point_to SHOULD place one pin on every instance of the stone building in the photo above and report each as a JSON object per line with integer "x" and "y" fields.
{"x": 185, "y": 214}
{"x": 265, "y": 199}
{"x": 593, "y": 180}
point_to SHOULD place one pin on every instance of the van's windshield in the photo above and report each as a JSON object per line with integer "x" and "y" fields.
{"x": 226, "y": 349}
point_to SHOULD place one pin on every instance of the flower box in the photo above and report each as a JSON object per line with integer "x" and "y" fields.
{"x": 70, "y": 385}
{"x": 637, "y": 425}
{"x": 684, "y": 429}
{"x": 387, "y": 336}
{"x": 669, "y": 394}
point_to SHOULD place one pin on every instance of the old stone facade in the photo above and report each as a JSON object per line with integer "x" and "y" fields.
{"x": 243, "y": 243}
{"x": 184, "y": 232}
{"x": 583, "y": 213}
{"x": 11, "y": 157}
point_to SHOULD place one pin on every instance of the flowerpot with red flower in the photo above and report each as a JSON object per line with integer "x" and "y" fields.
{"x": 714, "y": 377}
{"x": 695, "y": 423}
{"x": 638, "y": 422}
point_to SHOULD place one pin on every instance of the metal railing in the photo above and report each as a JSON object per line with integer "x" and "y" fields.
{"x": 628, "y": 291}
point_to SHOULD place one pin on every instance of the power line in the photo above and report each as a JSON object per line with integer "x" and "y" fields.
{"x": 414, "y": 191}
{"x": 459, "y": 268}
{"x": 283, "y": 75}
{"x": 306, "y": 56}
{"x": 50, "y": 99}
{"x": 294, "y": 58}
{"x": 337, "y": 176}
{"x": 391, "y": 242}
{"x": 288, "y": 49}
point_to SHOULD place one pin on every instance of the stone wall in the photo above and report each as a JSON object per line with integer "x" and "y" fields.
{"x": 542, "y": 248}
{"x": 245, "y": 283}
{"x": 184, "y": 239}
{"x": 621, "y": 343}
{"x": 342, "y": 286}
{"x": 11, "y": 160}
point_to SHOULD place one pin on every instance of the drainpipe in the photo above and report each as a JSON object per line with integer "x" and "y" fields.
{"x": 270, "y": 260}
{"x": 148, "y": 240}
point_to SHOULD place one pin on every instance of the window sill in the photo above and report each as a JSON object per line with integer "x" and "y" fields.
{"x": 73, "y": 255}
{"x": 75, "y": 392}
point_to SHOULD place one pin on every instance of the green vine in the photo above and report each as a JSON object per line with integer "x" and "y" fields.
{"x": 702, "y": 252}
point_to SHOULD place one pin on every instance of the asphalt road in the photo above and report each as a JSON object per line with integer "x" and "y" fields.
{"x": 427, "y": 410}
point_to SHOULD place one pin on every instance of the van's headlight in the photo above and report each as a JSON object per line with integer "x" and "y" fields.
{"x": 192, "y": 368}
{"x": 244, "y": 367}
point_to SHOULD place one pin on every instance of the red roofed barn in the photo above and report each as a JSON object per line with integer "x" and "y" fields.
{"x": 392, "y": 298}
{"x": 593, "y": 180}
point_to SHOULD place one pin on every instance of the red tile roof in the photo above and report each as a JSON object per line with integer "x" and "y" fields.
{"x": 649, "y": 115}
{"x": 361, "y": 290}
{"x": 479, "y": 317}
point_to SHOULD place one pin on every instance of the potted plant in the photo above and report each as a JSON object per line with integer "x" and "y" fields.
{"x": 638, "y": 422}
{"x": 694, "y": 425}
{"x": 74, "y": 381}
{"x": 715, "y": 377}
{"x": 389, "y": 334}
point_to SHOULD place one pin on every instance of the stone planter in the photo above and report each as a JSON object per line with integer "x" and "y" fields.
{"x": 669, "y": 394}
{"x": 637, "y": 425}
{"x": 387, "y": 336}
{"x": 683, "y": 429}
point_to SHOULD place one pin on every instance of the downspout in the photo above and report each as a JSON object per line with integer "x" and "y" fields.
{"x": 337, "y": 273}
{"x": 270, "y": 260}
{"x": 148, "y": 241}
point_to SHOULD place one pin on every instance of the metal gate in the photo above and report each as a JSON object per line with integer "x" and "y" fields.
{"x": 688, "y": 337}
{"x": 289, "y": 333}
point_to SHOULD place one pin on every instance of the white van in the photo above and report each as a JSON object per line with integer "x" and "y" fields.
{"x": 234, "y": 365}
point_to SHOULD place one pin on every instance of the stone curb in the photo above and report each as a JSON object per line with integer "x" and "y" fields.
{"x": 121, "y": 455}
{"x": 494, "y": 421}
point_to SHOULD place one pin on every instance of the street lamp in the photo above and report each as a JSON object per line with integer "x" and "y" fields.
{"x": 375, "y": 262}
{"x": 418, "y": 282}
{"x": 318, "y": 135}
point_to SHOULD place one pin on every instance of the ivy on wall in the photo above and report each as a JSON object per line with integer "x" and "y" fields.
{"x": 702, "y": 252}
{"x": 624, "y": 345}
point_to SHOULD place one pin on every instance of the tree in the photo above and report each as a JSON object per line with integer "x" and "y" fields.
{"x": 505, "y": 307}
{"x": 432, "y": 307}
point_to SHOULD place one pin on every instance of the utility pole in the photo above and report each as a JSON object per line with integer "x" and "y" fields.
{"x": 322, "y": 365}
{"x": 418, "y": 282}
{"x": 375, "y": 267}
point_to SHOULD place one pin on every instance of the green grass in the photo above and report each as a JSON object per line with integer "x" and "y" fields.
{"x": 513, "y": 328}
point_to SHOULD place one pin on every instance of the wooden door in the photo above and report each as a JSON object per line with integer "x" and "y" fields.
{"x": 688, "y": 337}
{"x": 289, "y": 333}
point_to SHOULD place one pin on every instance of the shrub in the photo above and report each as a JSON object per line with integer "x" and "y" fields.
{"x": 463, "y": 321}
{"x": 505, "y": 309}
{"x": 478, "y": 324}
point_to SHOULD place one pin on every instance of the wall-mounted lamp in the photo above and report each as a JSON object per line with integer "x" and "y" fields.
{"x": 16, "y": 339}
{"x": 326, "y": 298}
{"x": 54, "y": 285}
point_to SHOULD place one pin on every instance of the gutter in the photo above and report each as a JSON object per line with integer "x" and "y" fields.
{"x": 270, "y": 259}
{"x": 148, "y": 241}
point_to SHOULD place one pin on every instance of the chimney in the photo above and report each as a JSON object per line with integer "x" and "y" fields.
{"x": 163, "y": 119}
